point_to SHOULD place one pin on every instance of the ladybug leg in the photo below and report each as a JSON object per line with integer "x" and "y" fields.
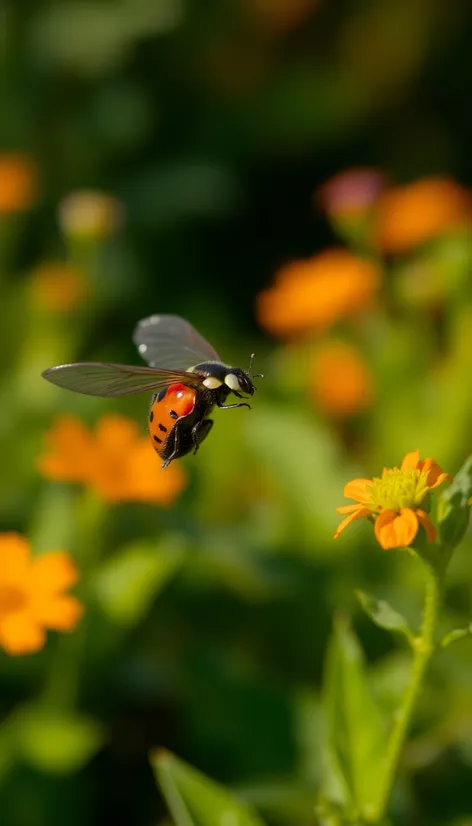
{"x": 230, "y": 406}
{"x": 200, "y": 431}
{"x": 175, "y": 451}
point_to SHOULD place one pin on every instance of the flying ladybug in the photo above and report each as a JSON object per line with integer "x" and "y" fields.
{"x": 183, "y": 395}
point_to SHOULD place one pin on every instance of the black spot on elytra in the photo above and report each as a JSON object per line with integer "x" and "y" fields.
{"x": 156, "y": 439}
{"x": 151, "y": 416}
{"x": 163, "y": 428}
{"x": 173, "y": 414}
{"x": 161, "y": 395}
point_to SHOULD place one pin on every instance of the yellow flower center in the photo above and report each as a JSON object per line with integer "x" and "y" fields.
{"x": 397, "y": 489}
{"x": 11, "y": 599}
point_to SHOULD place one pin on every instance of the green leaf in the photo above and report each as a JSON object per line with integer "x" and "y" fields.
{"x": 282, "y": 799}
{"x": 128, "y": 582}
{"x": 389, "y": 678}
{"x": 382, "y": 614}
{"x": 355, "y": 732}
{"x": 456, "y": 635}
{"x": 307, "y": 713}
{"x": 229, "y": 561}
{"x": 298, "y": 464}
{"x": 195, "y": 800}
{"x": 453, "y": 510}
{"x": 7, "y": 745}
{"x": 56, "y": 742}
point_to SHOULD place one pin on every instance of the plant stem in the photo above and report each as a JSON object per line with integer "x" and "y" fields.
{"x": 423, "y": 649}
{"x": 62, "y": 685}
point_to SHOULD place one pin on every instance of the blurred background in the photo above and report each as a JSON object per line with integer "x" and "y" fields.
{"x": 293, "y": 177}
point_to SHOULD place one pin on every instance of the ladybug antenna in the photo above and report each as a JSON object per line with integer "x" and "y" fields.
{"x": 258, "y": 375}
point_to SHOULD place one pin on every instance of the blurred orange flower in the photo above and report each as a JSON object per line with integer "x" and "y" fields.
{"x": 57, "y": 286}
{"x": 32, "y": 595}
{"x": 412, "y": 214}
{"x": 314, "y": 293}
{"x": 90, "y": 215}
{"x": 18, "y": 183}
{"x": 114, "y": 460}
{"x": 340, "y": 382}
{"x": 393, "y": 500}
{"x": 280, "y": 15}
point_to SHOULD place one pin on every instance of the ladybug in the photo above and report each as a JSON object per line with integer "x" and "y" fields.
{"x": 183, "y": 396}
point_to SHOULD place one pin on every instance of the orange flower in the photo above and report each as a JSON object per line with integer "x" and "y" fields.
{"x": 412, "y": 214}
{"x": 32, "y": 595}
{"x": 314, "y": 293}
{"x": 280, "y": 15}
{"x": 90, "y": 215}
{"x": 115, "y": 461}
{"x": 18, "y": 183}
{"x": 393, "y": 500}
{"x": 57, "y": 286}
{"x": 341, "y": 383}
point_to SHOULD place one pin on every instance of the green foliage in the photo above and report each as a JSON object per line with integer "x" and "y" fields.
{"x": 54, "y": 742}
{"x": 456, "y": 635}
{"x": 355, "y": 732}
{"x": 297, "y": 463}
{"x": 128, "y": 582}
{"x": 194, "y": 800}
{"x": 453, "y": 510}
{"x": 382, "y": 613}
{"x": 207, "y": 624}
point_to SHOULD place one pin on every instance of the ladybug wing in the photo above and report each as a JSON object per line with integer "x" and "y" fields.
{"x": 99, "y": 379}
{"x": 170, "y": 341}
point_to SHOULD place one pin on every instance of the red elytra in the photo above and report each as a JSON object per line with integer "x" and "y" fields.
{"x": 181, "y": 397}
{"x": 178, "y": 401}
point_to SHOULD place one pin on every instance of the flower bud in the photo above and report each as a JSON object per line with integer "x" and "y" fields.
{"x": 90, "y": 215}
{"x": 453, "y": 507}
{"x": 18, "y": 183}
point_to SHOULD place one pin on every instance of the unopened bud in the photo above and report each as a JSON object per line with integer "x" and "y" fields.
{"x": 90, "y": 215}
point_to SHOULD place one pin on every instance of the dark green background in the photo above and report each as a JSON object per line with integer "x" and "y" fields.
{"x": 215, "y": 131}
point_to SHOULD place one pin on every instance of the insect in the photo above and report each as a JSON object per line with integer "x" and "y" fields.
{"x": 183, "y": 395}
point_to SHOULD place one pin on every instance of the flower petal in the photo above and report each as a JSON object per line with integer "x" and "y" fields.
{"x": 14, "y": 558}
{"x": 58, "y": 613}
{"x": 71, "y": 452}
{"x": 396, "y": 530}
{"x": 148, "y": 483}
{"x": 53, "y": 572}
{"x": 20, "y": 634}
{"x": 411, "y": 460}
{"x": 358, "y": 489}
{"x": 435, "y": 473}
{"x": 115, "y": 432}
{"x": 347, "y": 508}
{"x": 357, "y": 514}
{"x": 441, "y": 478}
{"x": 424, "y": 520}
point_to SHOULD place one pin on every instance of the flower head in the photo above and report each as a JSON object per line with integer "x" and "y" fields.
{"x": 90, "y": 215}
{"x": 32, "y": 595}
{"x": 18, "y": 183}
{"x": 394, "y": 499}
{"x": 340, "y": 381}
{"x": 352, "y": 192}
{"x": 57, "y": 286}
{"x": 314, "y": 293}
{"x": 114, "y": 460}
{"x": 280, "y": 15}
{"x": 413, "y": 214}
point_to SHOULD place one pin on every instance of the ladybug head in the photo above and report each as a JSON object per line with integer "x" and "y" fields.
{"x": 239, "y": 381}
{"x": 234, "y": 379}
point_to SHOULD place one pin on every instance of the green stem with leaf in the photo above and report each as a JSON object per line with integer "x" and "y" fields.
{"x": 423, "y": 648}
